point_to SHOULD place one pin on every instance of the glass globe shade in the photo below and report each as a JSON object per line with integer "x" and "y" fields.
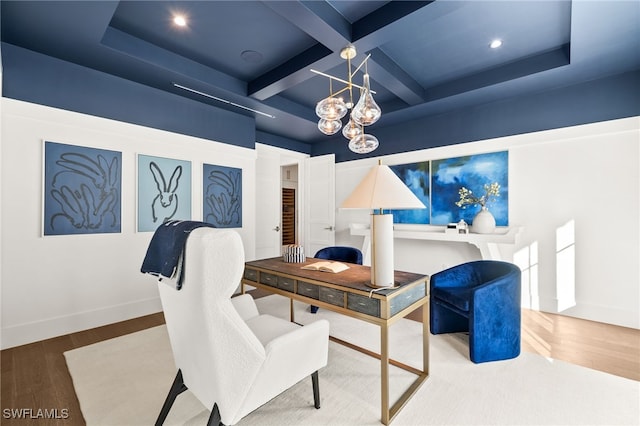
{"x": 363, "y": 144}
{"x": 331, "y": 108}
{"x": 366, "y": 111}
{"x": 351, "y": 130}
{"x": 329, "y": 127}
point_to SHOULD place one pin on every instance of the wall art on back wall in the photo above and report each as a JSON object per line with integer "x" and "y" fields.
{"x": 82, "y": 190}
{"x": 164, "y": 191}
{"x": 448, "y": 176}
{"x": 416, "y": 177}
{"x": 222, "y": 193}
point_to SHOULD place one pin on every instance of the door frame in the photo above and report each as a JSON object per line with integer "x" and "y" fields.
{"x": 285, "y": 158}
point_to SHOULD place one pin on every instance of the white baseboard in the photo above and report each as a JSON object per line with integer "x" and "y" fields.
{"x": 40, "y": 330}
{"x": 606, "y": 314}
{"x": 593, "y": 312}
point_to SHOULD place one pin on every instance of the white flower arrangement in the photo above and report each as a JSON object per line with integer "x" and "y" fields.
{"x": 491, "y": 191}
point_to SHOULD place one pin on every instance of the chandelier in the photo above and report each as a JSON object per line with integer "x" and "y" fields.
{"x": 365, "y": 112}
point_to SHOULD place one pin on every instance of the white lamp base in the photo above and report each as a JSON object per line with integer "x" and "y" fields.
{"x": 382, "y": 272}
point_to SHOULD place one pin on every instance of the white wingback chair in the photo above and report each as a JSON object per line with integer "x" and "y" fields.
{"x": 228, "y": 355}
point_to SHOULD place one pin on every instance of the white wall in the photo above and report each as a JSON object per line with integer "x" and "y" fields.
{"x": 587, "y": 175}
{"x": 59, "y": 284}
{"x": 580, "y": 183}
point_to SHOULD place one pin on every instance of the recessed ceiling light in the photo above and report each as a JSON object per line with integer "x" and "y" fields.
{"x": 495, "y": 43}
{"x": 180, "y": 21}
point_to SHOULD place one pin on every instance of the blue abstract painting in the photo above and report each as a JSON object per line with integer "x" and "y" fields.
{"x": 471, "y": 172}
{"x": 164, "y": 191}
{"x": 222, "y": 187}
{"x": 416, "y": 177}
{"x": 82, "y": 190}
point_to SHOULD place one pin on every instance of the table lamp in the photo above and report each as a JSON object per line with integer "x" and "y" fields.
{"x": 382, "y": 189}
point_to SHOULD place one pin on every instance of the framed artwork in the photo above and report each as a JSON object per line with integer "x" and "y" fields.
{"x": 448, "y": 176}
{"x": 82, "y": 190}
{"x": 164, "y": 191}
{"x": 416, "y": 177}
{"x": 222, "y": 193}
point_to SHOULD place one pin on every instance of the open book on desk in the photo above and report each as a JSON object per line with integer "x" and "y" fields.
{"x": 326, "y": 266}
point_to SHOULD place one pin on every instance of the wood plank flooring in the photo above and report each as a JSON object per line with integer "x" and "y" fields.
{"x": 35, "y": 376}
{"x": 604, "y": 347}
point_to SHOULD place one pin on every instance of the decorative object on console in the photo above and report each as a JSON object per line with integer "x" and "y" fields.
{"x": 364, "y": 113}
{"x": 382, "y": 189}
{"x": 483, "y": 222}
{"x": 462, "y": 227}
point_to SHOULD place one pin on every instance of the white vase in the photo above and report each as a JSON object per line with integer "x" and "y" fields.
{"x": 483, "y": 222}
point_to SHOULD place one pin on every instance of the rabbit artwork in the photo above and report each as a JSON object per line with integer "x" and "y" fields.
{"x": 89, "y": 199}
{"x": 165, "y": 204}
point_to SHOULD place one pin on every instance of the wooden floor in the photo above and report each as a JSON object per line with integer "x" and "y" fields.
{"x": 609, "y": 348}
{"x": 35, "y": 376}
{"x": 604, "y": 347}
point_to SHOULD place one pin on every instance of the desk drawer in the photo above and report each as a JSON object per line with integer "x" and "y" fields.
{"x": 251, "y": 274}
{"x": 331, "y": 295}
{"x": 363, "y": 304}
{"x": 308, "y": 290}
{"x": 285, "y": 283}
{"x": 405, "y": 299}
{"x": 269, "y": 279}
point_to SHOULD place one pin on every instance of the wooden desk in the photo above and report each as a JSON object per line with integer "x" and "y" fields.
{"x": 347, "y": 293}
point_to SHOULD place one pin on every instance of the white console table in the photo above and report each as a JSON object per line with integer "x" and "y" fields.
{"x": 486, "y": 243}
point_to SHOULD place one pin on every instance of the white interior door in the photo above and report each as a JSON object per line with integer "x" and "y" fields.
{"x": 320, "y": 205}
{"x": 268, "y": 202}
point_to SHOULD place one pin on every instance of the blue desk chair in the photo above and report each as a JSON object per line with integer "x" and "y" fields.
{"x": 339, "y": 254}
{"x": 483, "y": 299}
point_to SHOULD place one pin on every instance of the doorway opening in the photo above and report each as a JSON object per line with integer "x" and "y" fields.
{"x": 289, "y": 209}
{"x": 288, "y": 216}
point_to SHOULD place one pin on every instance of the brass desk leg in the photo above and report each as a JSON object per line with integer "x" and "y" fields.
{"x": 390, "y": 411}
{"x": 425, "y": 339}
{"x": 384, "y": 373}
{"x": 291, "y": 313}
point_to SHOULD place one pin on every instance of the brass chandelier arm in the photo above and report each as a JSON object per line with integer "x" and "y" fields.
{"x": 364, "y": 61}
{"x": 340, "y": 91}
{"x": 340, "y": 80}
{"x": 366, "y": 112}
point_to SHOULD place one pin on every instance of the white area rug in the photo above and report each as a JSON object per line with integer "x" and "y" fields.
{"x": 124, "y": 381}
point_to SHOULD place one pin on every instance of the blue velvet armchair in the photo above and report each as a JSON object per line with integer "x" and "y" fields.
{"x": 483, "y": 299}
{"x": 340, "y": 254}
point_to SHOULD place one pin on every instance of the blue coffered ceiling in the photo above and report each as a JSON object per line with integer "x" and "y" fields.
{"x": 427, "y": 57}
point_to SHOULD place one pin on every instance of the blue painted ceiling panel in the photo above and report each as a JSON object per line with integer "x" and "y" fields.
{"x": 427, "y": 57}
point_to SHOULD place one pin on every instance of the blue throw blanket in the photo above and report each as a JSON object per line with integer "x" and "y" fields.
{"x": 165, "y": 255}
